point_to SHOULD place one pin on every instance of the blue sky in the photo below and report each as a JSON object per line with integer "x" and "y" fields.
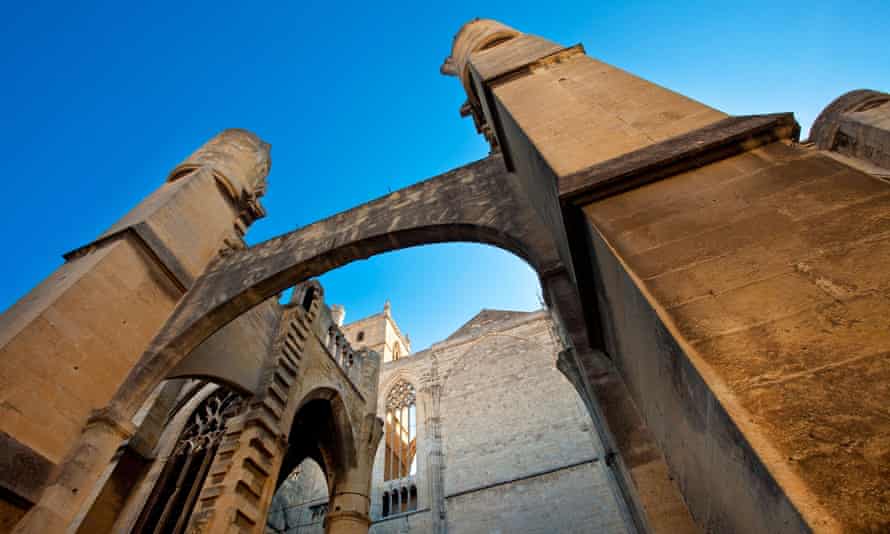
{"x": 100, "y": 101}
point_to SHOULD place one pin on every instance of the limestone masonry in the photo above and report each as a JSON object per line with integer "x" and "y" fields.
{"x": 503, "y": 441}
{"x": 713, "y": 354}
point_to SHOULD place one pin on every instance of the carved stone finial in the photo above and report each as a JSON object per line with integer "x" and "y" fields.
{"x": 239, "y": 160}
{"x": 477, "y": 34}
{"x": 474, "y": 36}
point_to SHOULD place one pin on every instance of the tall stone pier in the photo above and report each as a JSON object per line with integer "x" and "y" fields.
{"x": 66, "y": 347}
{"x": 734, "y": 284}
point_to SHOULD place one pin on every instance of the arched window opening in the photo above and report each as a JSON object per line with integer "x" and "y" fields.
{"x": 401, "y": 432}
{"x": 396, "y": 351}
{"x": 170, "y": 505}
{"x": 308, "y": 297}
{"x": 360, "y": 337}
{"x": 399, "y": 500}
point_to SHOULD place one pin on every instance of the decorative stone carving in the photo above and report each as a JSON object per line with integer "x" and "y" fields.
{"x": 209, "y": 422}
{"x": 402, "y": 394}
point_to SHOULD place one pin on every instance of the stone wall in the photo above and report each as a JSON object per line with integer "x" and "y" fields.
{"x": 519, "y": 451}
{"x": 755, "y": 276}
{"x": 379, "y": 333}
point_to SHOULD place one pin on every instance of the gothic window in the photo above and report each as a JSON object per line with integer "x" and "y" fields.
{"x": 396, "y": 352}
{"x": 401, "y": 432}
{"x": 170, "y": 505}
{"x": 360, "y": 337}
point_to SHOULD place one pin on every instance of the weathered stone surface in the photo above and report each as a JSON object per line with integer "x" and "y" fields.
{"x": 696, "y": 148}
{"x": 478, "y": 202}
{"x": 236, "y": 354}
{"x": 759, "y": 271}
{"x": 517, "y": 448}
{"x": 704, "y": 274}
{"x": 22, "y": 471}
{"x": 67, "y": 346}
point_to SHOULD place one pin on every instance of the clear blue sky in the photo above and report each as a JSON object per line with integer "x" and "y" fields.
{"x": 99, "y": 101}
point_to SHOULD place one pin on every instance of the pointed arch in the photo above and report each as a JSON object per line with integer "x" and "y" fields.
{"x": 400, "y": 431}
{"x": 322, "y": 430}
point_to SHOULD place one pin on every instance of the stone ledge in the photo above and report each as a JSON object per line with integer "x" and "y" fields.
{"x": 714, "y": 142}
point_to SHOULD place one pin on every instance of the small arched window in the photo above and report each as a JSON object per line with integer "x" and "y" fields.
{"x": 399, "y": 500}
{"x": 401, "y": 432}
{"x": 360, "y": 337}
{"x": 396, "y": 351}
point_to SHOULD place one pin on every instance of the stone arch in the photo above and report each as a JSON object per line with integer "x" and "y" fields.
{"x": 321, "y": 429}
{"x": 480, "y": 202}
{"x": 404, "y": 375}
{"x": 301, "y": 502}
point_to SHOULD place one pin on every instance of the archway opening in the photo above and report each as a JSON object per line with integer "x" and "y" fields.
{"x": 319, "y": 448}
{"x": 502, "y": 407}
{"x": 431, "y": 289}
{"x": 199, "y": 415}
{"x": 320, "y": 431}
{"x": 301, "y": 502}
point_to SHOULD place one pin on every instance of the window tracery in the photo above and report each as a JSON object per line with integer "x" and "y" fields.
{"x": 170, "y": 505}
{"x": 401, "y": 431}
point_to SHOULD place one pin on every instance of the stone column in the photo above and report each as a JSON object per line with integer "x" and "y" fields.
{"x": 348, "y": 513}
{"x": 432, "y": 394}
{"x": 73, "y": 340}
{"x": 349, "y": 509}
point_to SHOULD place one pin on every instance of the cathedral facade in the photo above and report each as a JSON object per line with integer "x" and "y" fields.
{"x": 495, "y": 438}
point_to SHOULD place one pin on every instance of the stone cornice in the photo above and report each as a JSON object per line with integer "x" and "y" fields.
{"x": 720, "y": 140}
